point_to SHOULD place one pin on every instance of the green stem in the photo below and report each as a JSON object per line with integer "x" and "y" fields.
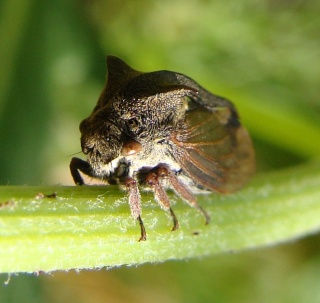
{"x": 91, "y": 227}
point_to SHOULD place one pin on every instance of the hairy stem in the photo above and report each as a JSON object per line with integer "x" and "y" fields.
{"x": 48, "y": 228}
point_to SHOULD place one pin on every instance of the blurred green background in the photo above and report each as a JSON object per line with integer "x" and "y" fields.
{"x": 264, "y": 55}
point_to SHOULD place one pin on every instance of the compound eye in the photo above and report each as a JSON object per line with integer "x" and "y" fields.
{"x": 133, "y": 123}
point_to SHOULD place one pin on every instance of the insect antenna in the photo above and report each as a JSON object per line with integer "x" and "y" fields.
{"x": 74, "y": 154}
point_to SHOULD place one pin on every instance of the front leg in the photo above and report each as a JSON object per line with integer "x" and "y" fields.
{"x": 135, "y": 204}
{"x": 77, "y": 165}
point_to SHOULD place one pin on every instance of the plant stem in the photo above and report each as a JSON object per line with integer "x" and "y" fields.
{"x": 91, "y": 226}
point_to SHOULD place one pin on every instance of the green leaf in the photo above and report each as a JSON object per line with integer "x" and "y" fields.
{"x": 91, "y": 227}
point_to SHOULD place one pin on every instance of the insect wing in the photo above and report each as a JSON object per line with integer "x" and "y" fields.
{"x": 215, "y": 150}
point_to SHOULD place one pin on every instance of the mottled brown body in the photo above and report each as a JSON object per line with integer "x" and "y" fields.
{"x": 163, "y": 130}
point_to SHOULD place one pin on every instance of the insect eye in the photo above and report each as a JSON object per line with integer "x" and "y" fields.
{"x": 133, "y": 123}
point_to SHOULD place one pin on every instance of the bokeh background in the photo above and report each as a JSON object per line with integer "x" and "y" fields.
{"x": 262, "y": 54}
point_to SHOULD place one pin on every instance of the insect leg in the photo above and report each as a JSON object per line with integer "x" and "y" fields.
{"x": 181, "y": 190}
{"x": 135, "y": 205}
{"x": 161, "y": 196}
{"x": 175, "y": 220}
{"x": 143, "y": 230}
{"x": 77, "y": 164}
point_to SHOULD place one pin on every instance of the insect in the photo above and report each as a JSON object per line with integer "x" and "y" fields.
{"x": 161, "y": 130}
